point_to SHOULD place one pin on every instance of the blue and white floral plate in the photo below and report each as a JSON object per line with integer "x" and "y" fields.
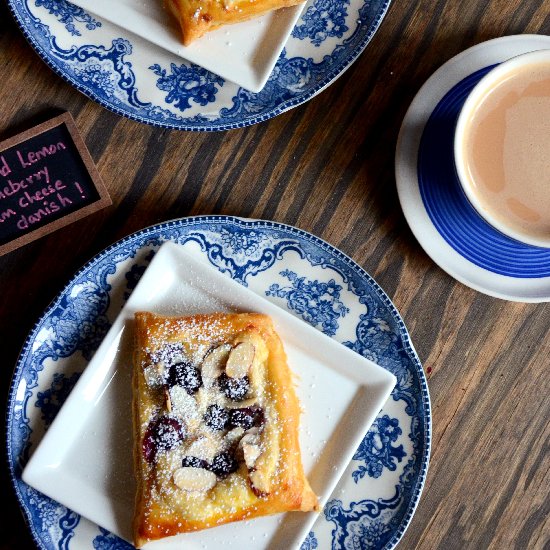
{"x": 446, "y": 225}
{"x": 137, "y": 79}
{"x": 85, "y": 462}
{"x": 375, "y": 499}
{"x": 244, "y": 53}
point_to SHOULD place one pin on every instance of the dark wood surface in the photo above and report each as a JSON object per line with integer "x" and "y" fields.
{"x": 327, "y": 167}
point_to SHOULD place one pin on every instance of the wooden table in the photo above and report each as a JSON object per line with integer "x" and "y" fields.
{"x": 327, "y": 167}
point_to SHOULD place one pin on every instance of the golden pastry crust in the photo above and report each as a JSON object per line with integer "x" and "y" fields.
{"x": 218, "y": 443}
{"x": 197, "y": 17}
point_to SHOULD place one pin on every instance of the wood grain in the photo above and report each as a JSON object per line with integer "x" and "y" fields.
{"x": 327, "y": 167}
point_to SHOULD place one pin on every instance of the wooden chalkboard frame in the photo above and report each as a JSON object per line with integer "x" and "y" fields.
{"x": 95, "y": 179}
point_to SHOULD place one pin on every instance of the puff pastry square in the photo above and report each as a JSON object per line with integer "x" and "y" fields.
{"x": 216, "y": 424}
{"x": 197, "y": 17}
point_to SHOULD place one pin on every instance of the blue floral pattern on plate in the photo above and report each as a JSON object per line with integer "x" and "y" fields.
{"x": 114, "y": 67}
{"x": 185, "y": 84}
{"x": 69, "y": 15}
{"x": 316, "y": 302}
{"x": 394, "y": 453}
{"x": 50, "y": 400}
{"x": 324, "y": 19}
{"x": 108, "y": 541}
{"x": 310, "y": 543}
{"x": 376, "y": 449}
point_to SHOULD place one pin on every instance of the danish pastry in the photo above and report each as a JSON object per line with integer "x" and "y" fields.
{"x": 197, "y": 17}
{"x": 216, "y": 424}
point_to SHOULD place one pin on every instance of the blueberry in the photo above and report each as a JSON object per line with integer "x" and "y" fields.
{"x": 224, "y": 464}
{"x": 246, "y": 417}
{"x": 185, "y": 375}
{"x": 194, "y": 462}
{"x": 234, "y": 388}
{"x": 162, "y": 434}
{"x": 216, "y": 417}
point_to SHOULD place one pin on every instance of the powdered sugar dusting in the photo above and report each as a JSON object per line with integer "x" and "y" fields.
{"x": 228, "y": 421}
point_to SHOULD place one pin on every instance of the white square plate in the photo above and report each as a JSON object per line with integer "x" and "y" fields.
{"x": 85, "y": 460}
{"x": 244, "y": 53}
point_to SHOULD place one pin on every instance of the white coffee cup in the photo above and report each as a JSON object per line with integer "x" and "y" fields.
{"x": 502, "y": 148}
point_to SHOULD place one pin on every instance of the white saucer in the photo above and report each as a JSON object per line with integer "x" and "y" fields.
{"x": 521, "y": 288}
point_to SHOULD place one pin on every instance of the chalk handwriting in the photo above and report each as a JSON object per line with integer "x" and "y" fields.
{"x": 47, "y": 180}
{"x": 31, "y": 157}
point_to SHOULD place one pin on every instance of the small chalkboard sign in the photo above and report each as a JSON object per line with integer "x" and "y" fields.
{"x": 47, "y": 180}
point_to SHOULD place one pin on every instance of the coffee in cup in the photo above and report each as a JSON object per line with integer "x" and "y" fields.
{"x": 502, "y": 147}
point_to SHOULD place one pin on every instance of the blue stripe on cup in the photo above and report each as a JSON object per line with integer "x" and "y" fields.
{"x": 449, "y": 209}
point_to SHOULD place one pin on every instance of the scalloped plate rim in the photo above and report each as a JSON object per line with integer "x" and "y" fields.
{"x": 281, "y": 108}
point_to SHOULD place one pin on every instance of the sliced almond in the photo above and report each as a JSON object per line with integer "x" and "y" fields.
{"x": 214, "y": 362}
{"x": 229, "y": 404}
{"x": 180, "y": 357}
{"x": 161, "y": 369}
{"x": 167, "y": 400}
{"x": 250, "y": 445}
{"x": 251, "y": 454}
{"x": 153, "y": 377}
{"x": 205, "y": 447}
{"x": 260, "y": 482}
{"x": 233, "y": 436}
{"x": 194, "y": 479}
{"x": 166, "y": 463}
{"x": 240, "y": 360}
{"x": 265, "y": 466}
{"x": 182, "y": 403}
{"x": 256, "y": 374}
{"x": 205, "y": 397}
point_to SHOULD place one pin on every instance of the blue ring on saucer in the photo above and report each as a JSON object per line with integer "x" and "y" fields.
{"x": 448, "y": 207}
